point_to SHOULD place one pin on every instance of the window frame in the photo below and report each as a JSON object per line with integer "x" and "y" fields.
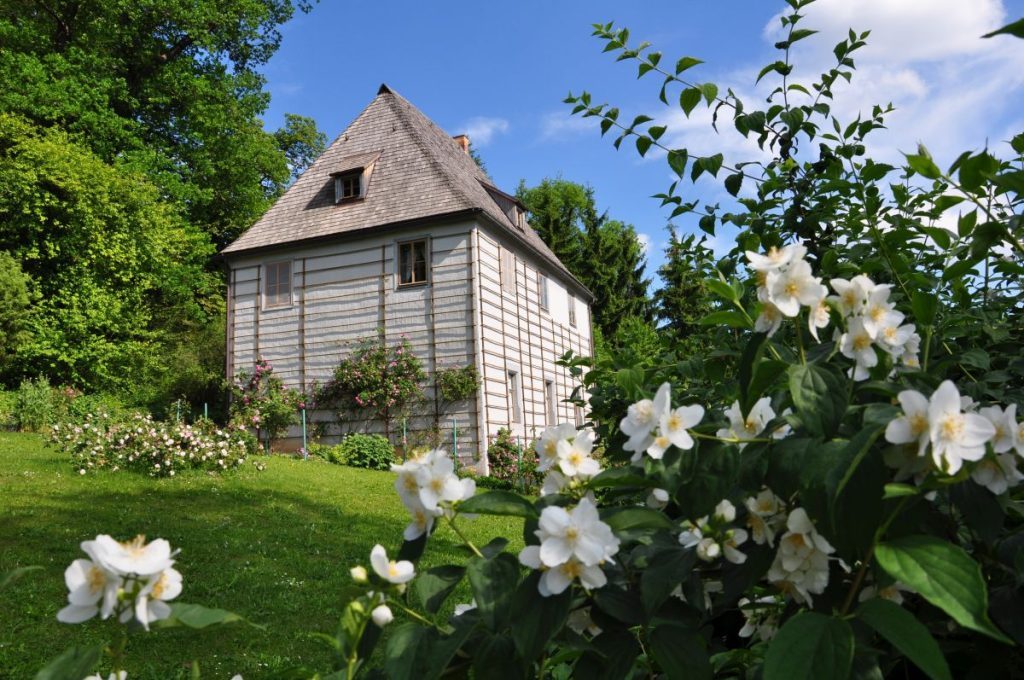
{"x": 266, "y": 304}
{"x": 550, "y": 402}
{"x": 515, "y": 391}
{"x": 507, "y": 274}
{"x": 339, "y": 184}
{"x": 543, "y": 295}
{"x": 572, "y": 310}
{"x": 426, "y": 259}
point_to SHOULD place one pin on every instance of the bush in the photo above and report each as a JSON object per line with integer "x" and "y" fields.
{"x": 512, "y": 463}
{"x": 82, "y": 406}
{"x": 160, "y": 449}
{"x": 8, "y": 410}
{"x": 370, "y": 451}
{"x": 262, "y": 402}
{"x": 457, "y": 384}
{"x": 36, "y": 405}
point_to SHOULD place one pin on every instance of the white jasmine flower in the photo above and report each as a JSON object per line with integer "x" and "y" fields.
{"x": 801, "y": 563}
{"x": 769, "y": 320}
{"x": 911, "y": 349}
{"x": 693, "y": 536}
{"x": 555, "y": 580}
{"x": 92, "y": 590}
{"x": 382, "y": 615}
{"x": 1005, "y": 424}
{"x": 765, "y": 514}
{"x": 461, "y": 609}
{"x": 132, "y": 557}
{"x": 893, "y": 338}
{"x": 913, "y": 425}
{"x": 751, "y": 426}
{"x": 733, "y": 539}
{"x": 674, "y": 425}
{"x": 547, "y": 446}
{"x": 852, "y": 296}
{"x": 879, "y": 312}
{"x": 955, "y": 436}
{"x": 775, "y": 258}
{"x": 574, "y": 459}
{"x": 406, "y": 485}
{"x": 575, "y": 534}
{"x": 580, "y": 621}
{"x": 421, "y": 519}
{"x": 121, "y": 675}
{"x": 819, "y": 316}
{"x": 437, "y": 480}
{"x": 725, "y": 511}
{"x": 642, "y": 417}
{"x": 151, "y": 602}
{"x": 794, "y": 287}
{"x": 761, "y": 617}
{"x": 856, "y": 344}
{"x": 997, "y": 474}
{"x": 657, "y": 499}
{"x": 390, "y": 570}
{"x": 554, "y": 482}
{"x": 892, "y": 592}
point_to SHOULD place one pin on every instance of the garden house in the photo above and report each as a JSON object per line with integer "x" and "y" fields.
{"x": 396, "y": 231}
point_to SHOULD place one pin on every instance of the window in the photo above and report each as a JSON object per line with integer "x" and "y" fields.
{"x": 549, "y": 402}
{"x": 348, "y": 186}
{"x": 542, "y": 286}
{"x": 412, "y": 262}
{"x": 572, "y": 310}
{"x": 277, "y": 291}
{"x": 513, "y": 397}
{"x": 579, "y": 417}
{"x": 508, "y": 271}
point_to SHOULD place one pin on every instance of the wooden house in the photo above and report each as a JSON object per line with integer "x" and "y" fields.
{"x": 395, "y": 230}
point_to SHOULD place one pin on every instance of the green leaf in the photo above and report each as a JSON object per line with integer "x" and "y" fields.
{"x": 710, "y": 91}
{"x": 1016, "y": 29}
{"x": 499, "y": 502}
{"x": 689, "y": 98}
{"x": 907, "y": 634}
{"x": 733, "y": 183}
{"x": 896, "y": 490}
{"x": 624, "y": 605}
{"x": 618, "y": 477}
{"x": 493, "y": 582}
{"x": 626, "y": 519}
{"x": 800, "y": 34}
{"x": 752, "y": 353}
{"x": 677, "y": 159}
{"x": 73, "y": 664}
{"x": 943, "y": 574}
{"x": 643, "y": 144}
{"x": 666, "y": 569}
{"x": 715, "y": 469}
{"x": 721, "y": 289}
{"x": 922, "y": 164}
{"x": 433, "y": 586}
{"x": 402, "y": 660}
{"x": 925, "y": 306}
{"x": 766, "y": 373}
{"x": 198, "y": 617}
{"x": 819, "y": 396}
{"x": 686, "y": 63}
{"x": 537, "y": 618}
{"x": 730, "y": 318}
{"x": 681, "y": 653}
{"x": 976, "y": 358}
{"x": 811, "y": 646}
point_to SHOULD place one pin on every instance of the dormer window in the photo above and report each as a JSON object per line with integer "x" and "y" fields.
{"x": 348, "y": 186}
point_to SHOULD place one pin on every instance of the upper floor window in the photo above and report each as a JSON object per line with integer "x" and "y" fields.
{"x": 412, "y": 262}
{"x": 516, "y": 416}
{"x": 508, "y": 271}
{"x": 277, "y": 289}
{"x": 348, "y": 186}
{"x": 542, "y": 286}
{"x": 572, "y": 310}
{"x": 550, "y": 402}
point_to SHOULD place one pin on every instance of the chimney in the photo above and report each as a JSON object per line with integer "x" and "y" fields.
{"x": 462, "y": 141}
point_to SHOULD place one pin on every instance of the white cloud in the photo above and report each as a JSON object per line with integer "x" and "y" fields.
{"x": 560, "y": 124}
{"x": 645, "y": 242}
{"x": 481, "y": 130}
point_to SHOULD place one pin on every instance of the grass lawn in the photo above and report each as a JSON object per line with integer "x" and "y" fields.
{"x": 273, "y": 546}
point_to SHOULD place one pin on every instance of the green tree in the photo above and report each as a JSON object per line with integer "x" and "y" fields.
{"x": 560, "y": 211}
{"x": 169, "y": 88}
{"x": 301, "y": 142}
{"x": 15, "y": 297}
{"x": 613, "y": 270}
{"x": 683, "y": 299}
{"x": 118, "y": 270}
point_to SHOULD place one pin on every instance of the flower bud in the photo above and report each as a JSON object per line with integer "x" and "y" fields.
{"x": 382, "y": 616}
{"x": 358, "y": 574}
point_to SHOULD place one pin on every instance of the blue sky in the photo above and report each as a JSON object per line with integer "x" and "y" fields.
{"x": 500, "y": 71}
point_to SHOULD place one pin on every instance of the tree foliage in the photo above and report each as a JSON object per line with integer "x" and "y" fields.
{"x": 15, "y": 297}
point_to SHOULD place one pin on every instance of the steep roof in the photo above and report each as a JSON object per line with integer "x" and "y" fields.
{"x": 419, "y": 172}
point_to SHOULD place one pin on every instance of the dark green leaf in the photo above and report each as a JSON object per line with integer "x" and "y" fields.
{"x": 677, "y": 161}
{"x": 1016, "y": 29}
{"x": 710, "y": 91}
{"x": 537, "y": 618}
{"x": 907, "y": 634}
{"x": 688, "y": 99}
{"x": 73, "y": 664}
{"x": 819, "y": 396}
{"x": 403, "y": 659}
{"x": 730, "y": 318}
{"x": 198, "y": 616}
{"x": 943, "y": 574}
{"x": 686, "y": 63}
{"x": 733, "y": 183}
{"x": 499, "y": 502}
{"x": 811, "y": 646}
{"x": 681, "y": 653}
{"x": 922, "y": 164}
{"x": 624, "y": 605}
{"x": 643, "y": 144}
{"x": 665, "y": 570}
{"x": 493, "y": 582}
{"x": 721, "y": 289}
{"x": 433, "y": 586}
{"x": 925, "y": 305}
{"x": 617, "y": 477}
{"x": 626, "y": 519}
{"x": 752, "y": 352}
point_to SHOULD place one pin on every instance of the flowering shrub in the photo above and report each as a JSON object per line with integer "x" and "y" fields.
{"x": 260, "y": 401}
{"x": 457, "y": 384}
{"x": 160, "y": 449}
{"x": 510, "y": 464}
{"x": 380, "y": 378}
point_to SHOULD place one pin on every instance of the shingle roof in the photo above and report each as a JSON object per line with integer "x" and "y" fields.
{"x": 420, "y": 172}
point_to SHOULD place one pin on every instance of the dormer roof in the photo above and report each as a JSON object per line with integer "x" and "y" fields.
{"x": 419, "y": 172}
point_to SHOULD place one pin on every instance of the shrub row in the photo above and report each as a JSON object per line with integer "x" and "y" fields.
{"x": 140, "y": 443}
